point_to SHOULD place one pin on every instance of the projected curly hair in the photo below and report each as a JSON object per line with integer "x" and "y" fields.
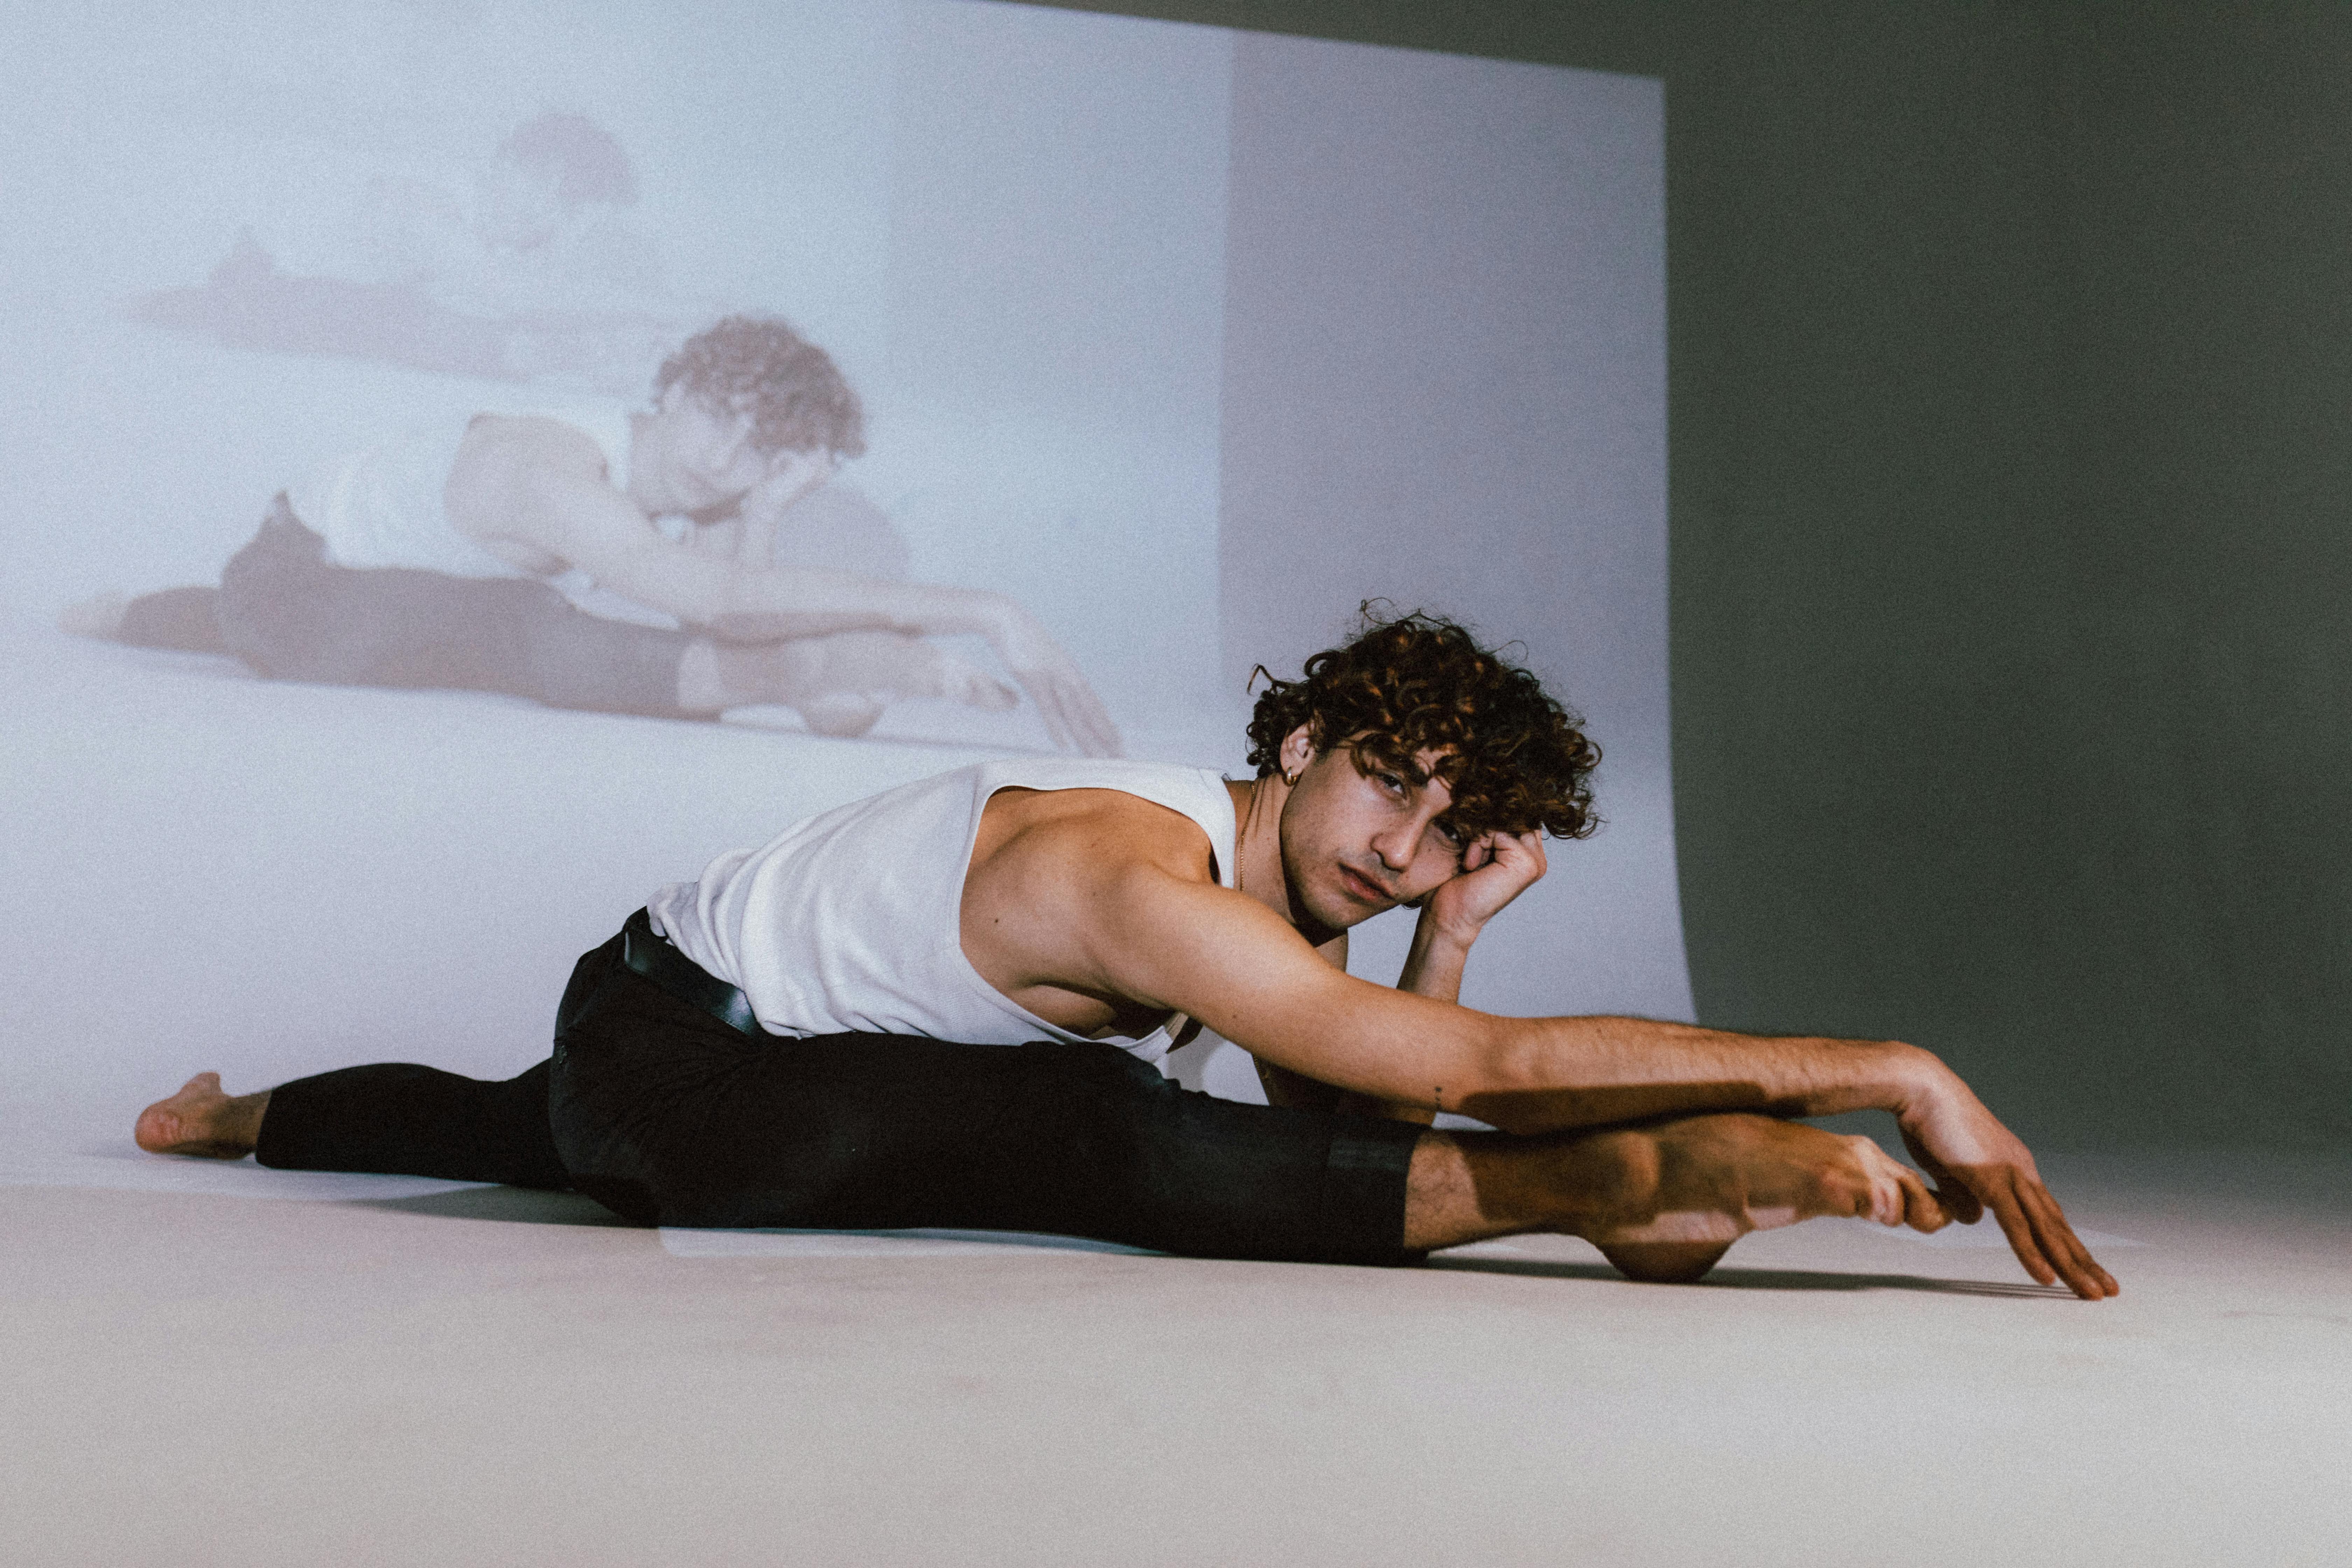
{"x": 1515, "y": 759}
{"x": 757, "y": 365}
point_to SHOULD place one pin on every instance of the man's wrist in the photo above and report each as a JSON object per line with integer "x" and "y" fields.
{"x": 994, "y": 616}
{"x": 1904, "y": 1076}
{"x": 1431, "y": 932}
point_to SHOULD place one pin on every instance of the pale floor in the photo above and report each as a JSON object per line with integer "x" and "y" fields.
{"x": 207, "y": 1364}
{"x": 481, "y": 1375}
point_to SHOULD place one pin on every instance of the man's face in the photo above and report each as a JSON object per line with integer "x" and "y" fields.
{"x": 709, "y": 463}
{"x": 1359, "y": 837}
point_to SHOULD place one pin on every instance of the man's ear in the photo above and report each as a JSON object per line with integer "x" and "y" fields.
{"x": 1297, "y": 750}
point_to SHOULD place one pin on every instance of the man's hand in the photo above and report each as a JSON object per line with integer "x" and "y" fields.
{"x": 1495, "y": 868}
{"x": 1074, "y": 717}
{"x": 1978, "y": 1165}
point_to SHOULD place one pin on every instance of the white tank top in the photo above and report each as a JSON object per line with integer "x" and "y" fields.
{"x": 852, "y": 922}
{"x": 382, "y": 506}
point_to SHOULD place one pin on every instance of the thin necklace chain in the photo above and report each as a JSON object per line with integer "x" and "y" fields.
{"x": 1241, "y": 861}
{"x": 1239, "y": 833}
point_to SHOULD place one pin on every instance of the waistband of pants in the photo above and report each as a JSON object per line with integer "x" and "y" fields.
{"x": 658, "y": 960}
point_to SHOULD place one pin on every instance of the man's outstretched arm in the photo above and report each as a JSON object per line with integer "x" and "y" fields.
{"x": 1250, "y": 977}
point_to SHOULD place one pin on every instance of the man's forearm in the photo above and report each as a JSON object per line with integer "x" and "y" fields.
{"x": 1433, "y": 965}
{"x": 1433, "y": 968}
{"x": 761, "y": 606}
{"x": 1552, "y": 1074}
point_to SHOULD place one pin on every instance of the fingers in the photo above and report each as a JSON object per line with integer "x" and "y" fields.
{"x": 1102, "y": 734}
{"x": 1049, "y": 709}
{"x": 1958, "y": 1199}
{"x": 1088, "y": 721}
{"x": 2020, "y": 1238}
{"x": 1074, "y": 717}
{"x": 2045, "y": 1243}
{"x": 1922, "y": 1210}
{"x": 2062, "y": 1248}
{"x": 1532, "y": 842}
{"x": 1522, "y": 852}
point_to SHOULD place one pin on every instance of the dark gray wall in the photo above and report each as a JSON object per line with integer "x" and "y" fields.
{"x": 2209, "y": 538}
{"x": 2008, "y": 355}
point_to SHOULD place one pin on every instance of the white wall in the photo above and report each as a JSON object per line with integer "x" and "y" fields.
{"x": 1043, "y": 244}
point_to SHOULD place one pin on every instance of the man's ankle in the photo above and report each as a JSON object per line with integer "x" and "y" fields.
{"x": 1598, "y": 1180}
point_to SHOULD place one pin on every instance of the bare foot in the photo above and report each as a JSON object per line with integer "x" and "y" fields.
{"x": 204, "y": 1121}
{"x": 100, "y": 615}
{"x": 1664, "y": 1262}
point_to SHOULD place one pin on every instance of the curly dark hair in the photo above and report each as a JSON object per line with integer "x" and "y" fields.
{"x": 1515, "y": 759}
{"x": 757, "y": 365}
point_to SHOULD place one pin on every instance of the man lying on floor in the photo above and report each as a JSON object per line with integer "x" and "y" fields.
{"x": 464, "y": 553}
{"x": 814, "y": 1035}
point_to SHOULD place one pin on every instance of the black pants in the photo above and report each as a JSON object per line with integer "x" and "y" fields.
{"x": 292, "y": 615}
{"x": 667, "y": 1115}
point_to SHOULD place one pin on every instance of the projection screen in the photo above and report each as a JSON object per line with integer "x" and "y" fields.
{"x": 1188, "y": 341}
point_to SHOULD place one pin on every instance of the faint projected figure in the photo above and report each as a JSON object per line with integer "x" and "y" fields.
{"x": 530, "y": 270}
{"x": 675, "y": 562}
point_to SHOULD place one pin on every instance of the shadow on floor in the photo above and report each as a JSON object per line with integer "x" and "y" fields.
{"x": 527, "y": 1206}
{"x": 519, "y": 1205}
{"x": 1762, "y": 1279}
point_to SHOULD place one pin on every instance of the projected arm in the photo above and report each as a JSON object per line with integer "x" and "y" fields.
{"x": 1246, "y": 974}
{"x": 578, "y": 517}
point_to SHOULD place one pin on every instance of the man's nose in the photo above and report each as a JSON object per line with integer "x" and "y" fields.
{"x": 1394, "y": 846}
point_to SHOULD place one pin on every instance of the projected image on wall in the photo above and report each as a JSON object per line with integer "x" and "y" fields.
{"x": 525, "y": 551}
{"x": 470, "y": 466}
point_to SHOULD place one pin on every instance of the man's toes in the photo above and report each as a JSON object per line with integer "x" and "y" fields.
{"x": 101, "y": 616}
{"x": 157, "y": 1130}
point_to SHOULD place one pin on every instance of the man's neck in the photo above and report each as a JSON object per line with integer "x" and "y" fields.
{"x": 1257, "y": 851}
{"x": 644, "y": 486}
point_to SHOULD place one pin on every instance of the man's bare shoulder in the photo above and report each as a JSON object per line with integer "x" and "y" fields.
{"x": 1049, "y": 901}
{"x": 502, "y": 444}
{"x": 1089, "y": 834}
{"x": 524, "y": 485}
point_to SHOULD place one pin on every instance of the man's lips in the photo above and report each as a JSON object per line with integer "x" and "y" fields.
{"x": 1363, "y": 888}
